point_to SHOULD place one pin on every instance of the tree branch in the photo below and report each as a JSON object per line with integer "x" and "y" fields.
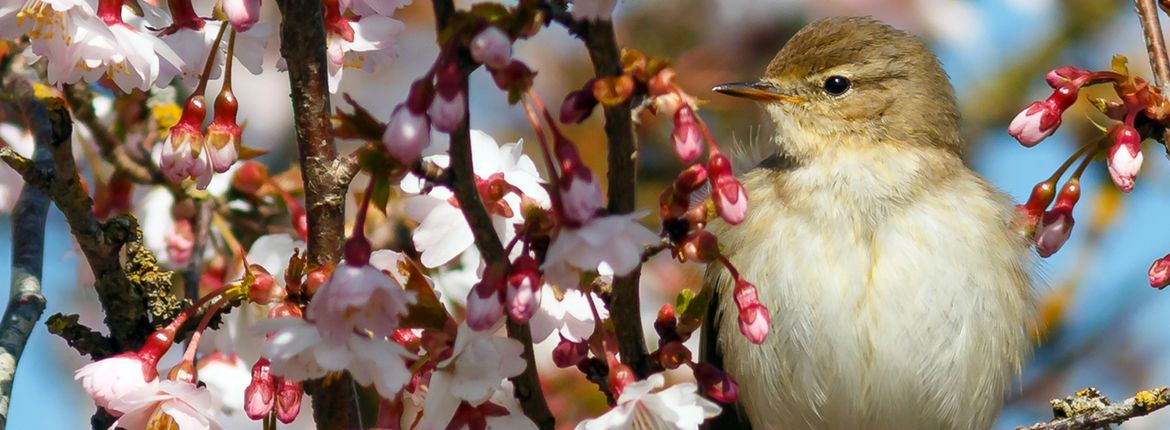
{"x": 1088, "y": 410}
{"x": 1155, "y": 44}
{"x": 622, "y": 177}
{"x": 461, "y": 178}
{"x": 25, "y": 301}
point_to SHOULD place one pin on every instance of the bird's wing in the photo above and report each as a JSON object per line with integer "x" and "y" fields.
{"x": 733, "y": 416}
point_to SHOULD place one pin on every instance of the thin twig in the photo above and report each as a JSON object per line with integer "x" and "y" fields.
{"x": 622, "y": 176}
{"x": 1100, "y": 414}
{"x": 25, "y": 301}
{"x": 461, "y": 177}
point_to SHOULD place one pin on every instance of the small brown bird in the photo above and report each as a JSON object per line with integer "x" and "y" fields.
{"x": 900, "y": 295}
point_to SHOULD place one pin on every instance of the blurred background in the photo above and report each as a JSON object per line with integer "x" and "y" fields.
{"x": 1103, "y": 324}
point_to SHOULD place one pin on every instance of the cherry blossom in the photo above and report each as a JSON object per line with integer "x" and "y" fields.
{"x": 111, "y": 378}
{"x": 358, "y": 297}
{"x": 298, "y": 351}
{"x": 166, "y": 404}
{"x": 642, "y": 405}
{"x": 443, "y": 233}
{"x": 571, "y": 317}
{"x": 362, "y": 42}
{"x": 479, "y": 362}
{"x": 615, "y": 240}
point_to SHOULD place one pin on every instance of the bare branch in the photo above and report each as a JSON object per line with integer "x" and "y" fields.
{"x": 1155, "y": 43}
{"x": 1088, "y": 410}
{"x": 25, "y": 301}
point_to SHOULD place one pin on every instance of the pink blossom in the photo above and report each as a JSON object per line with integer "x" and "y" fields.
{"x": 615, "y": 240}
{"x": 685, "y": 138}
{"x": 571, "y": 317}
{"x": 1125, "y": 157}
{"x": 679, "y": 407}
{"x": 242, "y": 14}
{"x": 1035, "y": 122}
{"x": 361, "y": 298}
{"x": 110, "y": 378}
{"x": 362, "y": 42}
{"x": 298, "y": 351}
{"x": 373, "y": 7}
{"x": 479, "y": 363}
{"x": 407, "y": 134}
{"x": 166, "y": 404}
{"x": 1160, "y": 272}
{"x": 492, "y": 48}
{"x": 184, "y": 142}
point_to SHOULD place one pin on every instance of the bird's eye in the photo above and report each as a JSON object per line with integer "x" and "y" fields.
{"x": 836, "y": 85}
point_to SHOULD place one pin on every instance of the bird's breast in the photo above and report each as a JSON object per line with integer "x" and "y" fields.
{"x": 892, "y": 309}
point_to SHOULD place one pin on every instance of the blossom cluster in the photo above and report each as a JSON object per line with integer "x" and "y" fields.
{"x": 1139, "y": 111}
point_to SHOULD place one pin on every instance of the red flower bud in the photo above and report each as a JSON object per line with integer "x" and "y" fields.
{"x": 260, "y": 395}
{"x": 674, "y": 354}
{"x": 1035, "y": 122}
{"x": 685, "y": 138}
{"x": 288, "y": 400}
{"x": 1160, "y": 272}
{"x": 568, "y": 353}
{"x": 1125, "y": 156}
{"x": 716, "y": 383}
{"x": 754, "y": 321}
{"x": 578, "y": 105}
{"x": 522, "y": 292}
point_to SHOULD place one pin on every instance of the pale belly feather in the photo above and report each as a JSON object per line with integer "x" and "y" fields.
{"x": 903, "y": 318}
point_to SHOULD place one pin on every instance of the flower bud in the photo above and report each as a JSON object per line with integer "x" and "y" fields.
{"x": 716, "y": 383}
{"x": 690, "y": 179}
{"x": 484, "y": 308}
{"x": 288, "y": 399}
{"x": 1125, "y": 157}
{"x": 661, "y": 83}
{"x": 491, "y": 47}
{"x": 1160, "y": 272}
{"x": 522, "y": 291}
{"x": 407, "y": 134}
{"x": 754, "y": 321}
{"x": 568, "y": 353}
{"x": 1035, "y": 122}
{"x": 699, "y": 246}
{"x": 665, "y": 323}
{"x": 578, "y": 105}
{"x": 1066, "y": 76}
{"x": 728, "y": 194}
{"x": 264, "y": 289}
{"x": 250, "y": 177}
{"x": 620, "y": 376}
{"x": 674, "y": 354}
{"x": 260, "y": 396}
{"x": 1053, "y": 231}
{"x": 184, "y": 141}
{"x": 242, "y": 14}
{"x": 685, "y": 138}
{"x": 223, "y": 134}
{"x": 447, "y": 109}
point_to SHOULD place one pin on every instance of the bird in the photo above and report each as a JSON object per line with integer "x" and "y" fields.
{"x": 901, "y": 294}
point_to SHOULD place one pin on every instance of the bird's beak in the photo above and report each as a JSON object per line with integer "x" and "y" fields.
{"x": 759, "y": 90}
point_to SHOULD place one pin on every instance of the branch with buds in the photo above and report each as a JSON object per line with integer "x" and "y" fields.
{"x": 1089, "y": 410}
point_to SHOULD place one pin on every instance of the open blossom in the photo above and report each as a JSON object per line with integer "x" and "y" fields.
{"x": 360, "y": 42}
{"x": 642, "y": 406}
{"x": 443, "y": 233}
{"x": 110, "y": 378}
{"x": 571, "y": 317}
{"x": 580, "y": 197}
{"x": 167, "y": 404}
{"x": 298, "y": 351}
{"x": 479, "y": 362}
{"x": 615, "y": 240}
{"x": 358, "y": 297}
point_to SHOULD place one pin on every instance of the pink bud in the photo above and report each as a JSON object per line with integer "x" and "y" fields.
{"x": 1160, "y": 272}
{"x": 242, "y": 13}
{"x": 580, "y": 198}
{"x": 716, "y": 383}
{"x": 730, "y": 197}
{"x": 223, "y": 134}
{"x": 264, "y": 290}
{"x": 491, "y": 47}
{"x": 407, "y": 134}
{"x": 578, "y": 105}
{"x": 288, "y": 399}
{"x": 1054, "y": 230}
{"x": 447, "y": 109}
{"x": 1034, "y": 123}
{"x": 1125, "y": 157}
{"x": 260, "y": 395}
{"x": 673, "y": 354}
{"x": 754, "y": 322}
{"x": 568, "y": 353}
{"x": 700, "y": 246}
{"x": 1064, "y": 76}
{"x": 523, "y": 289}
{"x": 184, "y": 141}
{"x": 484, "y": 308}
{"x": 686, "y": 139}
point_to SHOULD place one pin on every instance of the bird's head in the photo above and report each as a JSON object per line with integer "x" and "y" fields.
{"x": 855, "y": 81}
